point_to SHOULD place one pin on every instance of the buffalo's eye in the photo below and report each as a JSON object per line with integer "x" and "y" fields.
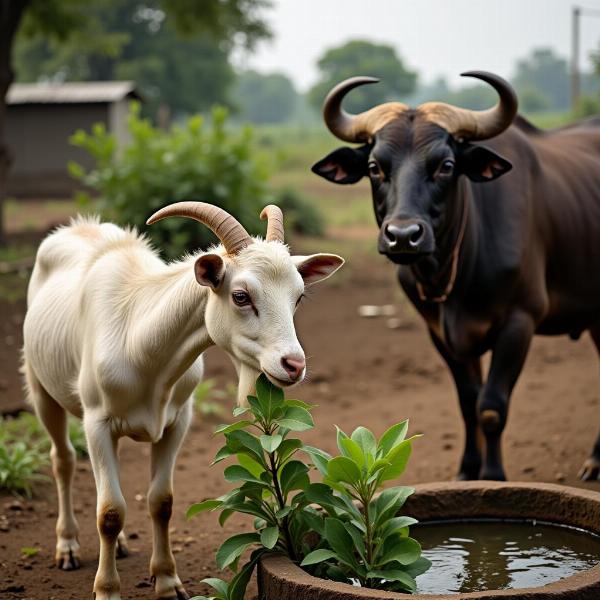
{"x": 374, "y": 169}
{"x": 241, "y": 298}
{"x": 446, "y": 168}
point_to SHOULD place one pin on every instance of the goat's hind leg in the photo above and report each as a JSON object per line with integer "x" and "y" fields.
{"x": 160, "y": 501}
{"x": 54, "y": 418}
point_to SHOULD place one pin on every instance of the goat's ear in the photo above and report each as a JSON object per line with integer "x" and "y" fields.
{"x": 317, "y": 267}
{"x": 209, "y": 270}
{"x": 480, "y": 163}
{"x": 344, "y": 165}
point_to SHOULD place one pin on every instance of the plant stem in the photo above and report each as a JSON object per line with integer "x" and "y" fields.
{"x": 280, "y": 499}
{"x": 369, "y": 534}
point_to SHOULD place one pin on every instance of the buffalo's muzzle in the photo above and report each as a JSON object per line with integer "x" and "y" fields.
{"x": 405, "y": 238}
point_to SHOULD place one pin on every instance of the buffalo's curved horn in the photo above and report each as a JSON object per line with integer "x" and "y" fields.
{"x": 475, "y": 125}
{"x": 229, "y": 231}
{"x": 274, "y": 216}
{"x": 357, "y": 128}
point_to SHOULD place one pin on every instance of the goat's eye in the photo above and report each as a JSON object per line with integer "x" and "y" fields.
{"x": 374, "y": 169}
{"x": 446, "y": 168}
{"x": 241, "y": 298}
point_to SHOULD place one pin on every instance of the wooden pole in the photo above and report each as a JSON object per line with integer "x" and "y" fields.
{"x": 575, "y": 31}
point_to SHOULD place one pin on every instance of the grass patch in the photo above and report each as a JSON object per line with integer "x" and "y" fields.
{"x": 24, "y": 451}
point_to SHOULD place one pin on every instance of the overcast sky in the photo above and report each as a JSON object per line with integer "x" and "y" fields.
{"x": 435, "y": 37}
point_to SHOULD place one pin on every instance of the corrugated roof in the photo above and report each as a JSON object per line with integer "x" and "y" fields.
{"x": 70, "y": 92}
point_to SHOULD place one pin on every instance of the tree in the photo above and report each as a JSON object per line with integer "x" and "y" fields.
{"x": 62, "y": 22}
{"x": 128, "y": 41}
{"x": 264, "y": 98}
{"x": 547, "y": 73}
{"x": 361, "y": 57}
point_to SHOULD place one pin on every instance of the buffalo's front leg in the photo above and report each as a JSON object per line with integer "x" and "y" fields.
{"x": 467, "y": 379}
{"x": 508, "y": 356}
{"x": 160, "y": 501}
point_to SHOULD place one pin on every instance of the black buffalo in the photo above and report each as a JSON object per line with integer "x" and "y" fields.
{"x": 494, "y": 242}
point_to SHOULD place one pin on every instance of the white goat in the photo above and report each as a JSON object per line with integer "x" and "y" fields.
{"x": 114, "y": 335}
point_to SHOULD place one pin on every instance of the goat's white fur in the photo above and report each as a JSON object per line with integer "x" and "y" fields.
{"x": 115, "y": 336}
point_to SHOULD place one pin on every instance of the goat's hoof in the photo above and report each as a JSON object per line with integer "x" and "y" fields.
{"x": 169, "y": 587}
{"x": 590, "y": 471}
{"x": 67, "y": 555}
{"x": 122, "y": 550}
{"x": 107, "y": 596}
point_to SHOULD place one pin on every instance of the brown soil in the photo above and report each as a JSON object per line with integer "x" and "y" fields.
{"x": 361, "y": 373}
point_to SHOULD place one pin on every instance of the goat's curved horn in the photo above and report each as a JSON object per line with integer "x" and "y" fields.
{"x": 274, "y": 218}
{"x": 232, "y": 235}
{"x": 357, "y": 128}
{"x": 475, "y": 125}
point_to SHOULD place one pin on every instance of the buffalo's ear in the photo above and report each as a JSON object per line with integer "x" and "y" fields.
{"x": 479, "y": 163}
{"x": 344, "y": 165}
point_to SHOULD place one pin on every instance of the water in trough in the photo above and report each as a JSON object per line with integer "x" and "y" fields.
{"x": 490, "y": 555}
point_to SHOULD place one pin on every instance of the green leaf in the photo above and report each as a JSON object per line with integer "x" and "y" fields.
{"x": 222, "y": 454}
{"x": 395, "y": 525}
{"x": 232, "y": 548}
{"x": 340, "y": 541}
{"x": 269, "y": 537}
{"x": 296, "y": 419}
{"x": 287, "y": 448}
{"x": 342, "y": 468}
{"x": 239, "y": 583}
{"x": 418, "y": 567}
{"x": 317, "y": 556}
{"x": 232, "y": 427}
{"x": 294, "y": 476}
{"x": 299, "y": 404}
{"x": 252, "y": 465}
{"x": 224, "y": 516}
{"x": 389, "y": 502}
{"x": 218, "y": 584}
{"x": 398, "y": 458}
{"x": 408, "y": 583}
{"x": 353, "y": 451}
{"x": 366, "y": 440}
{"x": 404, "y": 550}
{"x": 242, "y": 441}
{"x": 357, "y": 539}
{"x": 283, "y": 512}
{"x": 394, "y": 435}
{"x": 319, "y": 493}
{"x": 270, "y": 442}
{"x": 240, "y": 410}
{"x": 269, "y": 396}
{"x": 199, "y": 507}
{"x": 235, "y": 473}
{"x": 319, "y": 457}
{"x": 340, "y": 435}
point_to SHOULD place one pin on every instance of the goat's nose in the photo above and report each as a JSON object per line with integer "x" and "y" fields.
{"x": 404, "y": 237}
{"x": 294, "y": 366}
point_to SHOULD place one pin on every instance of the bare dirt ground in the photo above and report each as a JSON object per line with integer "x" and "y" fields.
{"x": 361, "y": 373}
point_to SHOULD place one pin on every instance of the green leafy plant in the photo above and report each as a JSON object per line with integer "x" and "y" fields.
{"x": 20, "y": 466}
{"x": 352, "y": 535}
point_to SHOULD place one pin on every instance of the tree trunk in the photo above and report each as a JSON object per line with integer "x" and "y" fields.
{"x": 11, "y": 13}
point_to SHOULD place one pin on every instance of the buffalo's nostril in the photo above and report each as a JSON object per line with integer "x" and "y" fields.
{"x": 415, "y": 234}
{"x": 293, "y": 366}
{"x": 391, "y": 232}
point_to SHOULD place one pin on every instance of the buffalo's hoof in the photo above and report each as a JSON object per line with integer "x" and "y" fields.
{"x": 590, "y": 471}
{"x": 492, "y": 474}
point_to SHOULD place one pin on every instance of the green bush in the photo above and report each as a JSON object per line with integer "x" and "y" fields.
{"x": 198, "y": 160}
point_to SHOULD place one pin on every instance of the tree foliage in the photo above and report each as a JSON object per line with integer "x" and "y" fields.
{"x": 264, "y": 98}
{"x": 547, "y": 73}
{"x": 360, "y": 57}
{"x": 176, "y": 55}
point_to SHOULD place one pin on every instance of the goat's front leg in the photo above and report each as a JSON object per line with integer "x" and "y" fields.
{"x": 160, "y": 502}
{"x": 508, "y": 356}
{"x": 110, "y": 504}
